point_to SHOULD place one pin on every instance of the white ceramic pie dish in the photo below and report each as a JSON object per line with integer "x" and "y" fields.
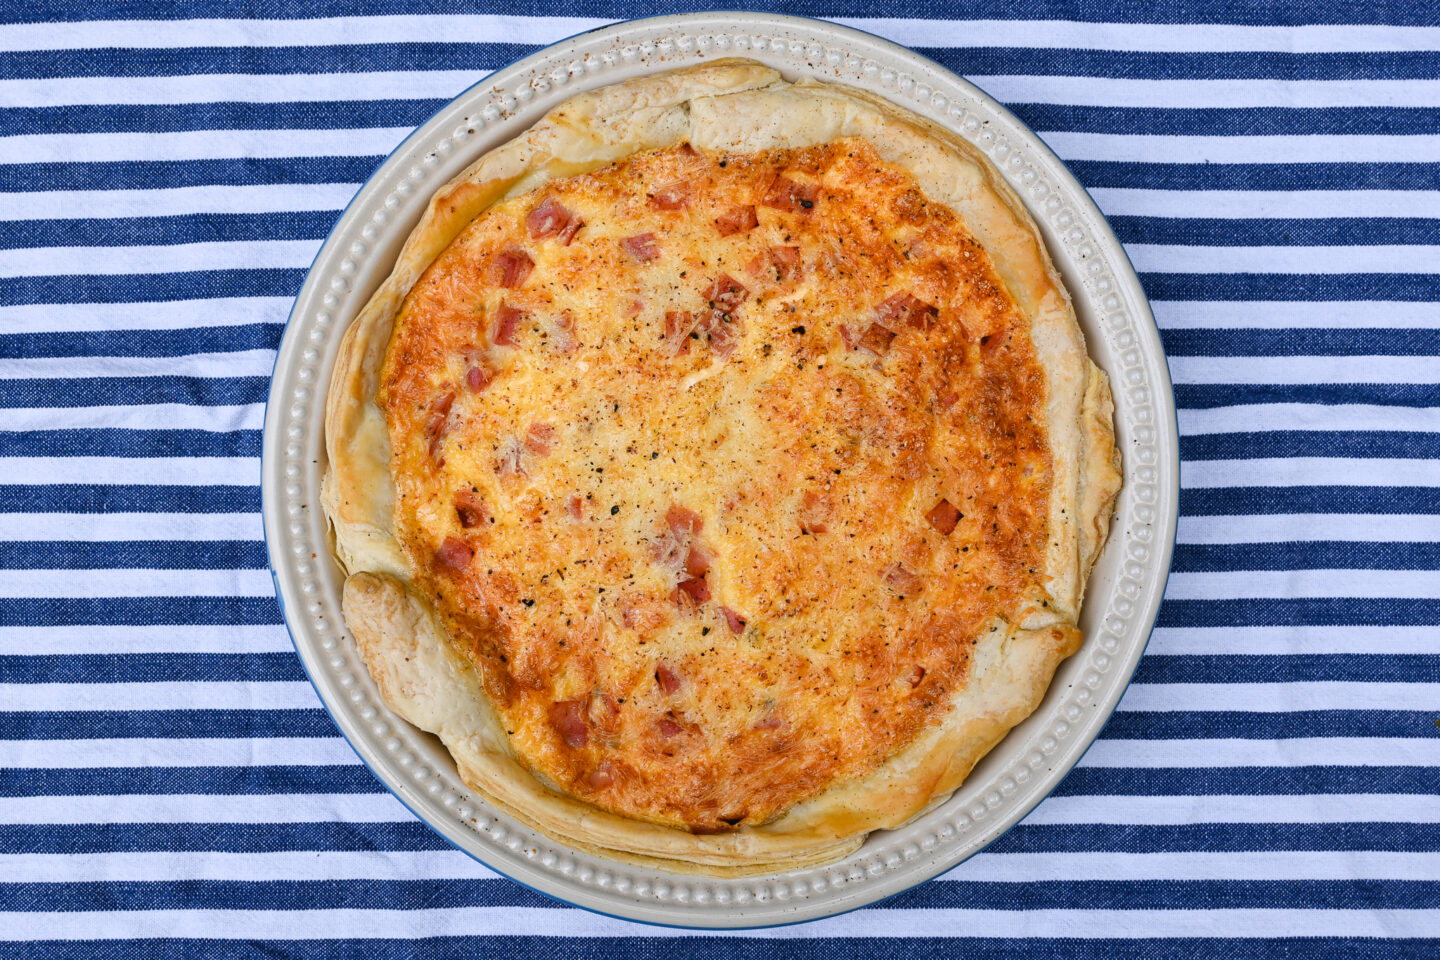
{"x": 1125, "y": 588}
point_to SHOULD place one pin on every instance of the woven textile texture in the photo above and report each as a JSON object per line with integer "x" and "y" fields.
{"x": 171, "y": 787}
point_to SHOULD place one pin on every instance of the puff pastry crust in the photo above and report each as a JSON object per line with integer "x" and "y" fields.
{"x": 451, "y": 596}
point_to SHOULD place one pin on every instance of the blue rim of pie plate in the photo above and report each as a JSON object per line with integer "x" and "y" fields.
{"x": 270, "y": 443}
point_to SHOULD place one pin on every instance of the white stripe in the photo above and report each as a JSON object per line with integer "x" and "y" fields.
{"x": 93, "y": 527}
{"x": 173, "y": 695}
{"x": 198, "y": 145}
{"x": 253, "y": 88}
{"x": 1291, "y": 640}
{"x": 1297, "y": 148}
{"x": 1299, "y": 752}
{"x": 347, "y": 923}
{"x": 1253, "y": 204}
{"x": 236, "y": 363}
{"x": 207, "y": 808}
{"x": 171, "y": 258}
{"x": 1093, "y": 91}
{"x": 1309, "y": 471}
{"x": 1031, "y": 34}
{"x": 177, "y": 752}
{"x": 176, "y": 201}
{"x": 1280, "y": 697}
{"x": 1280, "y": 314}
{"x": 1378, "y": 258}
{"x": 1266, "y": 417}
{"x": 142, "y": 416}
{"x": 1267, "y": 808}
{"x": 1301, "y": 527}
{"x": 1227, "y": 865}
{"x": 188, "y": 471}
{"x": 1345, "y": 369}
{"x": 79, "y": 584}
{"x": 175, "y": 315}
{"x": 189, "y": 638}
{"x": 1300, "y": 584}
{"x": 250, "y": 867}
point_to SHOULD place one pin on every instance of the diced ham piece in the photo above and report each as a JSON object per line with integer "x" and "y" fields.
{"x": 850, "y": 338}
{"x": 698, "y": 560}
{"x": 669, "y": 728}
{"x": 671, "y": 196}
{"x": 643, "y": 246}
{"x": 876, "y": 339}
{"x": 478, "y": 377}
{"x": 814, "y": 511}
{"x": 540, "y": 439}
{"x": 553, "y": 219}
{"x": 695, "y": 588}
{"x": 507, "y": 318}
{"x": 722, "y": 333}
{"x": 568, "y": 719}
{"x": 439, "y": 423}
{"x": 454, "y": 555}
{"x": 636, "y": 305}
{"x": 786, "y": 261}
{"x": 471, "y": 509}
{"x": 668, "y": 679}
{"x": 900, "y": 580}
{"x": 943, "y": 517}
{"x": 679, "y": 324}
{"x": 726, "y": 294}
{"x": 681, "y": 520}
{"x": 733, "y": 620}
{"x": 603, "y": 775}
{"x": 511, "y": 266}
{"x": 576, "y": 506}
{"x": 562, "y": 334}
{"x": 791, "y": 195}
{"x": 508, "y": 460}
{"x": 903, "y": 309}
{"x": 738, "y": 220}
{"x": 916, "y": 674}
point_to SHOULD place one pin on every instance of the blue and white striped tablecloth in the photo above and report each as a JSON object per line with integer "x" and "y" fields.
{"x": 169, "y": 784}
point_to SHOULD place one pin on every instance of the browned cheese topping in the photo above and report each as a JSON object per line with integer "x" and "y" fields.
{"x": 715, "y": 466}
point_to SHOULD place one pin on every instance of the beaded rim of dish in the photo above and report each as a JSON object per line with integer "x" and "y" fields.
{"x": 395, "y": 744}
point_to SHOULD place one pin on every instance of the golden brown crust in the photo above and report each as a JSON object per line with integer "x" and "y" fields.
{"x": 1010, "y": 665}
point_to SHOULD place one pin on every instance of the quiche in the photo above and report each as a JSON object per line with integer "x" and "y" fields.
{"x": 719, "y": 470}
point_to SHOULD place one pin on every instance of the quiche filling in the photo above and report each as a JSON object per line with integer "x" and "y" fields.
{"x": 715, "y": 466}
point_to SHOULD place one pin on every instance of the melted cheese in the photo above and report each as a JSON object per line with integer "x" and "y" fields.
{"x": 704, "y": 579}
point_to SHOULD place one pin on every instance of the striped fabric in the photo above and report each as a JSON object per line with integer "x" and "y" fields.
{"x": 169, "y": 783}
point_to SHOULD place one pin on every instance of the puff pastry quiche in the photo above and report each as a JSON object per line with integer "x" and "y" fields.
{"x": 719, "y": 471}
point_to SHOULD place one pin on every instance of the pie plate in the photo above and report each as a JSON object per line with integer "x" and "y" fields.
{"x": 1125, "y": 588}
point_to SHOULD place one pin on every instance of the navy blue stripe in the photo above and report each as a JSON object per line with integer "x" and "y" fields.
{"x": 1277, "y": 232}
{"x": 150, "y": 287}
{"x": 1257, "y": 176}
{"x": 149, "y": 667}
{"x": 937, "y": 895}
{"x": 1303, "y": 287}
{"x": 101, "y": 781}
{"x": 1246, "y": 781}
{"x": 1155, "y": 11}
{"x": 1295, "y": 668}
{"x": 291, "y": 115}
{"x": 742, "y": 948}
{"x": 1333, "y": 342}
{"x": 198, "y": 722}
{"x": 1206, "y": 395}
{"x": 1306, "y": 555}
{"x": 1280, "y": 612}
{"x": 160, "y": 174}
{"x": 141, "y": 611}
{"x": 132, "y": 554}
{"x": 1251, "y": 501}
{"x": 1311, "y": 443}
{"x": 86, "y": 498}
{"x": 130, "y": 443}
{"x": 1267, "y": 725}
{"x": 1226, "y": 837}
{"x": 122, "y": 391}
{"x": 1222, "y": 121}
{"x": 150, "y": 231}
{"x": 414, "y": 56}
{"x": 145, "y": 343}
{"x": 410, "y": 835}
